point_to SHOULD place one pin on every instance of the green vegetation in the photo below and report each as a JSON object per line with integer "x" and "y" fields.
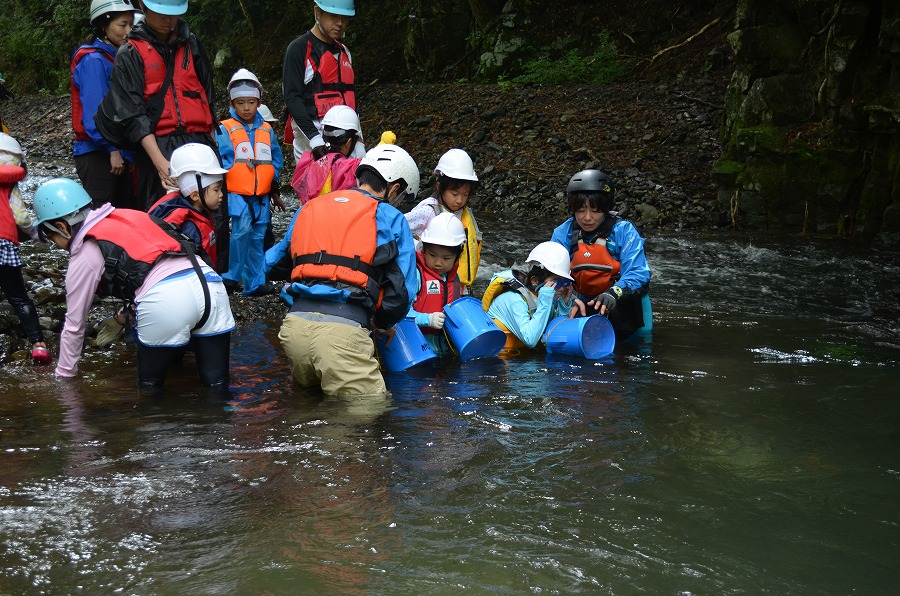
{"x": 603, "y": 66}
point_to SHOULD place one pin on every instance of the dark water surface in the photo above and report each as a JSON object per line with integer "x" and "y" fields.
{"x": 752, "y": 445}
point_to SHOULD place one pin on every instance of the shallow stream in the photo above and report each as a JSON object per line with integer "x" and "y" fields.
{"x": 751, "y": 445}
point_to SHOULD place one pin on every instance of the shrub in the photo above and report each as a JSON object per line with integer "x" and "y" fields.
{"x": 605, "y": 65}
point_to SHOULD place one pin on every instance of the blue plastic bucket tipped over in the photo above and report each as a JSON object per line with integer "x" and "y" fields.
{"x": 472, "y": 333}
{"x": 589, "y": 337}
{"x": 406, "y": 349}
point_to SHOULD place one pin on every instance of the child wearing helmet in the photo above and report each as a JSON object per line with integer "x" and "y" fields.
{"x": 252, "y": 155}
{"x": 176, "y": 299}
{"x": 437, "y": 260}
{"x": 522, "y": 303}
{"x": 610, "y": 269}
{"x": 456, "y": 180}
{"x": 104, "y": 170}
{"x": 15, "y": 217}
{"x": 200, "y": 192}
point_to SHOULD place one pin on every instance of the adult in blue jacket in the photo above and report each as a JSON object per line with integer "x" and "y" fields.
{"x": 354, "y": 271}
{"x": 105, "y": 171}
{"x": 612, "y": 276}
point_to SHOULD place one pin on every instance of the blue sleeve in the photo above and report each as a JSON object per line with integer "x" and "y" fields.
{"x": 277, "y": 156}
{"x": 563, "y": 234}
{"x": 629, "y": 251}
{"x": 282, "y": 247}
{"x": 398, "y": 286}
{"x": 226, "y": 149}
{"x": 91, "y": 77}
{"x": 422, "y": 318}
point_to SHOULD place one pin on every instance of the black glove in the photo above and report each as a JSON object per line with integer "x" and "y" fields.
{"x": 609, "y": 298}
{"x": 319, "y": 152}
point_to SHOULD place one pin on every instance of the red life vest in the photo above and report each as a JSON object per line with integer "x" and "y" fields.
{"x": 593, "y": 268}
{"x": 185, "y": 104}
{"x": 77, "y": 108}
{"x": 131, "y": 243}
{"x": 332, "y": 82}
{"x": 178, "y": 214}
{"x": 435, "y": 293}
{"x": 252, "y": 173}
{"x": 334, "y": 242}
{"x": 9, "y": 176}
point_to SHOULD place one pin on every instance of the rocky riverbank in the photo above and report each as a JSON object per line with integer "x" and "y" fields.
{"x": 658, "y": 139}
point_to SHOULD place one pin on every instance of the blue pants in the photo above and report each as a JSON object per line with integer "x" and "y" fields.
{"x": 246, "y": 258}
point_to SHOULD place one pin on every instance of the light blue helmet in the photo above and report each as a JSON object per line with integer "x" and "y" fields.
{"x": 342, "y": 7}
{"x": 60, "y": 198}
{"x": 168, "y": 7}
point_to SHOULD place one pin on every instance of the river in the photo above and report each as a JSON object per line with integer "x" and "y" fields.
{"x": 750, "y": 445}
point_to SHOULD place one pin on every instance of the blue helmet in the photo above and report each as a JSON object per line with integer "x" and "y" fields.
{"x": 342, "y": 7}
{"x": 59, "y": 198}
{"x": 167, "y": 7}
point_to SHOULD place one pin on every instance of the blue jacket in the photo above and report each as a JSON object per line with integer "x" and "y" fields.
{"x": 91, "y": 79}
{"x": 399, "y": 282}
{"x": 624, "y": 244}
{"x": 237, "y": 206}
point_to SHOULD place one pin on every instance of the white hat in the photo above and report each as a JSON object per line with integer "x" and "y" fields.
{"x": 266, "y": 113}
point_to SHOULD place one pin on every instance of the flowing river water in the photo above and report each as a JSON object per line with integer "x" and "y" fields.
{"x": 751, "y": 445}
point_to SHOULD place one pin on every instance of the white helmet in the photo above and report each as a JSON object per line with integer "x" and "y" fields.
{"x": 195, "y": 166}
{"x": 339, "y": 120}
{"x": 10, "y": 145}
{"x": 266, "y": 113}
{"x": 244, "y": 83}
{"x": 392, "y": 163}
{"x": 456, "y": 164}
{"x": 102, "y": 7}
{"x": 552, "y": 256}
{"x": 445, "y": 229}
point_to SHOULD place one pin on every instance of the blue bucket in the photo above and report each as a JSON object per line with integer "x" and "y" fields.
{"x": 406, "y": 349}
{"x": 589, "y": 337}
{"x": 472, "y": 333}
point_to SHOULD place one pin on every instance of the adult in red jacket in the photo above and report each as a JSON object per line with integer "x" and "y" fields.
{"x": 160, "y": 42}
{"x": 317, "y": 75}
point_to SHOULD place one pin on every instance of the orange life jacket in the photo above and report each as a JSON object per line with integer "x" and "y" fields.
{"x": 593, "y": 268}
{"x": 334, "y": 242}
{"x": 185, "y": 104}
{"x": 252, "y": 173}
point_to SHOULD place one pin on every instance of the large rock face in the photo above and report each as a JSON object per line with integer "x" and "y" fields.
{"x": 811, "y": 138}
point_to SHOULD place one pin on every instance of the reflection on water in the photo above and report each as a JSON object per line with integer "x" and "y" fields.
{"x": 749, "y": 446}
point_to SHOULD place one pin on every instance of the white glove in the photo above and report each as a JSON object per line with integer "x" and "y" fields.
{"x": 436, "y": 320}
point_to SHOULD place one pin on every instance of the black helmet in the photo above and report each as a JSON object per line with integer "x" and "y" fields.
{"x": 590, "y": 181}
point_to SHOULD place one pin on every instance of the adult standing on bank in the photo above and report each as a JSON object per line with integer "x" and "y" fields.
{"x": 317, "y": 75}
{"x": 104, "y": 170}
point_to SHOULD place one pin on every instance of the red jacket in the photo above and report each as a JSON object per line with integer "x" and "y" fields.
{"x": 176, "y": 210}
{"x": 9, "y": 176}
{"x": 77, "y": 109}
